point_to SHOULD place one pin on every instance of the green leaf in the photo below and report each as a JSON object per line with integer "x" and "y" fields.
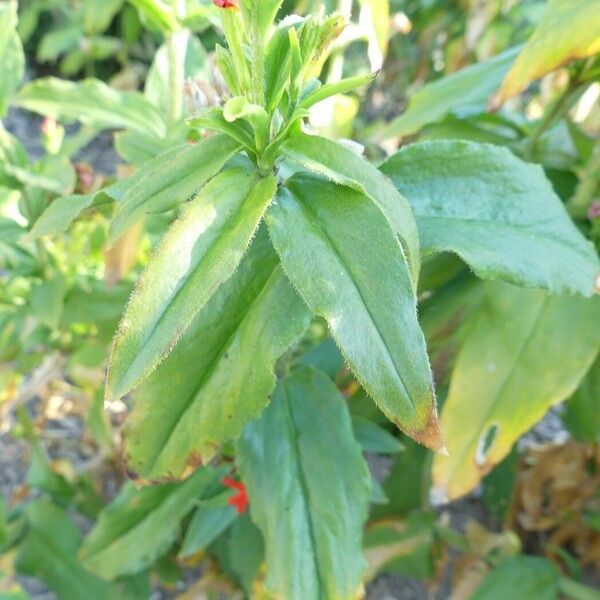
{"x": 140, "y": 525}
{"x": 373, "y": 438}
{"x": 406, "y": 483}
{"x": 554, "y": 44}
{"x": 98, "y": 14}
{"x": 582, "y": 411}
{"x": 157, "y": 14}
{"x": 525, "y": 352}
{"x": 331, "y": 261}
{"x": 61, "y": 212}
{"x": 277, "y": 67}
{"x": 496, "y": 212}
{"x": 213, "y": 118}
{"x": 341, "y": 165}
{"x": 326, "y": 357}
{"x": 200, "y": 251}
{"x": 468, "y": 88}
{"x": 12, "y": 58}
{"x": 300, "y": 483}
{"x": 404, "y": 547}
{"x": 524, "y": 576}
{"x": 220, "y": 374}
{"x": 54, "y": 174}
{"x": 266, "y": 11}
{"x": 238, "y": 108}
{"x": 64, "y": 210}
{"x": 170, "y": 179}
{"x": 47, "y": 299}
{"x": 210, "y": 520}
{"x": 48, "y": 552}
{"x": 339, "y": 87}
{"x": 92, "y": 103}
{"x": 240, "y": 553}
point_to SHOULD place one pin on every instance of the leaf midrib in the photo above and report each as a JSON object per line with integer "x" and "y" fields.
{"x": 229, "y": 225}
{"x": 209, "y": 370}
{"x": 304, "y": 487}
{"x": 316, "y": 225}
{"x": 527, "y": 340}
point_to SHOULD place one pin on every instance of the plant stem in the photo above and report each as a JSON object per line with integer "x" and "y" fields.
{"x": 257, "y": 42}
{"x": 588, "y": 186}
{"x": 336, "y": 67}
{"x": 176, "y": 53}
{"x": 558, "y": 109}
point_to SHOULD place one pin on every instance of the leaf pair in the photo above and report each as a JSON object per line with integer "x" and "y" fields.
{"x": 192, "y": 281}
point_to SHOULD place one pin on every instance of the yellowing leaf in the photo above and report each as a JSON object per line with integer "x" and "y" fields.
{"x": 220, "y": 374}
{"x": 569, "y": 29}
{"x": 526, "y": 351}
{"x": 200, "y": 251}
{"x": 121, "y": 256}
{"x": 349, "y": 268}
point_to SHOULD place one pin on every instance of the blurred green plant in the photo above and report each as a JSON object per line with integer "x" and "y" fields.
{"x": 236, "y": 332}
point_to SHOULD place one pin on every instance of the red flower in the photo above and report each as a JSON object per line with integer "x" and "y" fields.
{"x": 225, "y": 3}
{"x": 240, "y": 500}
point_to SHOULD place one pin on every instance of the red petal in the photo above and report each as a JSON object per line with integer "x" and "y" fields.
{"x": 225, "y": 3}
{"x": 240, "y": 502}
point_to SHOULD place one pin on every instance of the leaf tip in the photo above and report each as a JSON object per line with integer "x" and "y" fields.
{"x": 431, "y": 435}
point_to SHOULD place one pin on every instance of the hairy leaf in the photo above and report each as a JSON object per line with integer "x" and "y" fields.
{"x": 91, "y": 102}
{"x": 141, "y": 524}
{"x": 342, "y": 165}
{"x": 309, "y": 488}
{"x": 171, "y": 178}
{"x": 470, "y": 87}
{"x": 220, "y": 374}
{"x": 339, "y": 87}
{"x": 200, "y": 251}
{"x": 332, "y": 241}
{"x": 64, "y": 210}
{"x": 498, "y": 213}
{"x": 569, "y": 29}
{"x": 525, "y": 352}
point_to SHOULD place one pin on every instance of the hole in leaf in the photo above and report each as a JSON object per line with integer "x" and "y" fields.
{"x": 485, "y": 443}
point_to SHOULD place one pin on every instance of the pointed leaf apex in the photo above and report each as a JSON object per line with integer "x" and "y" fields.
{"x": 431, "y": 435}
